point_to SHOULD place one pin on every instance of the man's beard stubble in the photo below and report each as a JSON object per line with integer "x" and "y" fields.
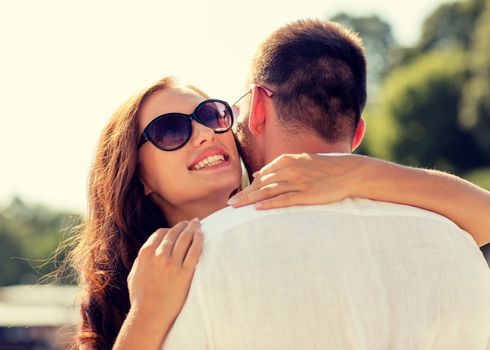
{"x": 247, "y": 149}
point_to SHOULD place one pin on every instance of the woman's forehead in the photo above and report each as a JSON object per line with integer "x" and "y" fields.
{"x": 171, "y": 100}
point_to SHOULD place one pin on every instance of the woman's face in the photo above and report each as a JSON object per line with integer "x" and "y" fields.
{"x": 180, "y": 179}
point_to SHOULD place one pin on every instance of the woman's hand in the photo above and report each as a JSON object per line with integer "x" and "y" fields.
{"x": 294, "y": 179}
{"x": 161, "y": 274}
{"x": 158, "y": 284}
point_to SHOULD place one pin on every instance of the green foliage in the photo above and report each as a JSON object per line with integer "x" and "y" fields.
{"x": 29, "y": 236}
{"x": 417, "y": 120}
{"x": 480, "y": 177}
{"x": 10, "y": 271}
{"x": 475, "y": 107}
{"x": 380, "y": 45}
{"x": 450, "y": 26}
{"x": 434, "y": 110}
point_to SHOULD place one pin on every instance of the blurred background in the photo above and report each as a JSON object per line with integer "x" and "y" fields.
{"x": 66, "y": 66}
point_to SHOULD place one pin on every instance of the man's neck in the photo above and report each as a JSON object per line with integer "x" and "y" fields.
{"x": 303, "y": 144}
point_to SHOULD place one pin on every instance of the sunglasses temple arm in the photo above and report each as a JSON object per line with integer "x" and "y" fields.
{"x": 143, "y": 139}
{"x": 245, "y": 94}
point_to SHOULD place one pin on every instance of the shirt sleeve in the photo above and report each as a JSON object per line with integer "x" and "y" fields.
{"x": 189, "y": 331}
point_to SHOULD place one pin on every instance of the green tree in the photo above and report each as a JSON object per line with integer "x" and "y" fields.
{"x": 475, "y": 106}
{"x": 10, "y": 270}
{"x": 29, "y": 236}
{"x": 480, "y": 177}
{"x": 380, "y": 45}
{"x": 450, "y": 26}
{"x": 416, "y": 121}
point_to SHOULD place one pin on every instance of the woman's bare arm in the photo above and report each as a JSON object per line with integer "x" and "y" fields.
{"x": 316, "y": 179}
{"x": 459, "y": 200}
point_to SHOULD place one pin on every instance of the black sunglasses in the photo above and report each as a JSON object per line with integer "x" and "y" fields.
{"x": 172, "y": 131}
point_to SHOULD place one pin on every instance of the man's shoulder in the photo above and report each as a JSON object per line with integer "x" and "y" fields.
{"x": 229, "y": 218}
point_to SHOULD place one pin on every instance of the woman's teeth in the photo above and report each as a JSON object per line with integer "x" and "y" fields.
{"x": 209, "y": 161}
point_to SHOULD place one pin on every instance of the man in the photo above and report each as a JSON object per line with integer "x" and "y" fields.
{"x": 356, "y": 274}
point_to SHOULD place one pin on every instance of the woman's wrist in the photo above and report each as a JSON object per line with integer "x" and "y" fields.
{"x": 365, "y": 180}
{"x": 150, "y": 320}
{"x": 143, "y": 330}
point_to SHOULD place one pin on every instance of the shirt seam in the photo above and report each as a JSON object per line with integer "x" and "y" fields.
{"x": 211, "y": 232}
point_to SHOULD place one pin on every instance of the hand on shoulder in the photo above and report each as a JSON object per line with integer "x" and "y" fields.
{"x": 295, "y": 179}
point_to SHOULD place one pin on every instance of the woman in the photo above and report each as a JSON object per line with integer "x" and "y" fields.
{"x": 167, "y": 156}
{"x": 135, "y": 189}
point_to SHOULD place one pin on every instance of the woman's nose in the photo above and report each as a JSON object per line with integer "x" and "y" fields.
{"x": 201, "y": 134}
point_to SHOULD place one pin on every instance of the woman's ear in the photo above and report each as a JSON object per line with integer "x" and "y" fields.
{"x": 359, "y": 135}
{"x": 257, "y": 114}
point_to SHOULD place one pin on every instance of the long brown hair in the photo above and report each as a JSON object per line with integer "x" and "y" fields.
{"x": 119, "y": 220}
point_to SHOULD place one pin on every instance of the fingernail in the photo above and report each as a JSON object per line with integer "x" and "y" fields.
{"x": 259, "y": 205}
{"x": 257, "y": 173}
{"x": 232, "y": 200}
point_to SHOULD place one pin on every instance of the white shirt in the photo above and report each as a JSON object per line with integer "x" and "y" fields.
{"x": 357, "y": 274}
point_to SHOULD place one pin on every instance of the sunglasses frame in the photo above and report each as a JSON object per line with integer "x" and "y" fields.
{"x": 269, "y": 93}
{"x": 189, "y": 118}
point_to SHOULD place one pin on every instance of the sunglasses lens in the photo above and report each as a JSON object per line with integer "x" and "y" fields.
{"x": 169, "y": 132}
{"x": 215, "y": 115}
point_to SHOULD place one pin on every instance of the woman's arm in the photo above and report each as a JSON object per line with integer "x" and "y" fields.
{"x": 459, "y": 200}
{"x": 314, "y": 179}
{"x": 158, "y": 285}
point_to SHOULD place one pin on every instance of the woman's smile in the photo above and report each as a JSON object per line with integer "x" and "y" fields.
{"x": 211, "y": 158}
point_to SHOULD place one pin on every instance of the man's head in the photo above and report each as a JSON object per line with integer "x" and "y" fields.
{"x": 314, "y": 74}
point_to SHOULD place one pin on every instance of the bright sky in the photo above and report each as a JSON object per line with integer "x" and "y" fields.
{"x": 66, "y": 65}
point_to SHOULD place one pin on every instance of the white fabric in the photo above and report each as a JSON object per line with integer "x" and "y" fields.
{"x": 357, "y": 274}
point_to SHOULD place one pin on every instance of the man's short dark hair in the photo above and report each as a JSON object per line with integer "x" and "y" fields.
{"x": 317, "y": 70}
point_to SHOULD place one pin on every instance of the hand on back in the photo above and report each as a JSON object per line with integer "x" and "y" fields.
{"x": 161, "y": 274}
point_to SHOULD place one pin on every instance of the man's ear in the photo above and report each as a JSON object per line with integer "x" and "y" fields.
{"x": 257, "y": 114}
{"x": 361, "y": 129}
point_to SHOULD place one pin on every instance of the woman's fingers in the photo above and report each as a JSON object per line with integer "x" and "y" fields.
{"x": 257, "y": 183}
{"x": 167, "y": 243}
{"x": 266, "y": 186}
{"x": 147, "y": 250}
{"x": 262, "y": 180}
{"x": 281, "y": 162}
{"x": 305, "y": 176}
{"x": 281, "y": 201}
{"x": 153, "y": 241}
{"x": 156, "y": 237}
{"x": 169, "y": 256}
{"x": 184, "y": 240}
{"x": 265, "y": 192}
{"x": 194, "y": 251}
